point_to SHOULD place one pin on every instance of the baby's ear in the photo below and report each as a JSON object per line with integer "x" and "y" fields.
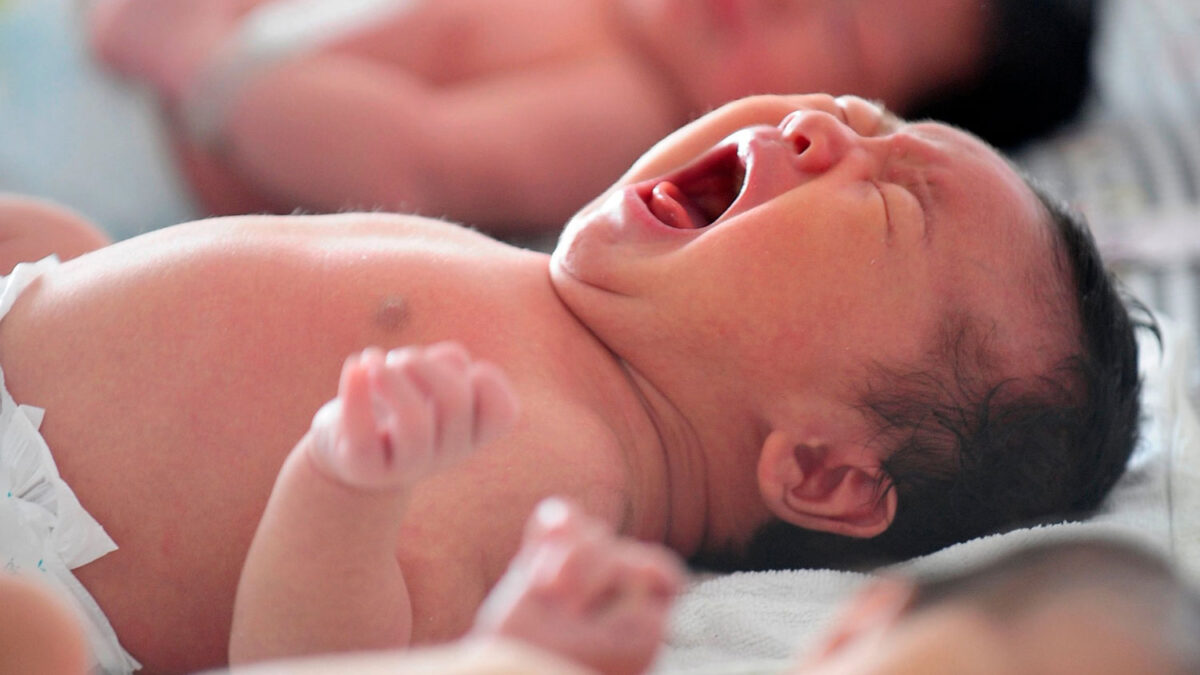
{"x": 825, "y": 484}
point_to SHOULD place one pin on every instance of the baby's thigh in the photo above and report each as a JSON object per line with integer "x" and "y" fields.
{"x": 38, "y": 633}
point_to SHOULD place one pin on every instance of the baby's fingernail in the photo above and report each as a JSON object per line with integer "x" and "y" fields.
{"x": 552, "y": 513}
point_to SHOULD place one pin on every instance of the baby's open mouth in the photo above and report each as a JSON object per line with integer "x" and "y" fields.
{"x": 699, "y": 195}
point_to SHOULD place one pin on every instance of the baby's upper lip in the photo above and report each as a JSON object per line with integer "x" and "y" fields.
{"x": 718, "y": 185}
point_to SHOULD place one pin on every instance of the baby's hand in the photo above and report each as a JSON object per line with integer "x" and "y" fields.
{"x": 403, "y": 415}
{"x": 579, "y": 591}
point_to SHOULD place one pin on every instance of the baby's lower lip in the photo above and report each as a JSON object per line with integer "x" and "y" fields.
{"x": 637, "y": 212}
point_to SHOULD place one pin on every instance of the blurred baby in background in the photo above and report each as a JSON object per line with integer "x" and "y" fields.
{"x": 481, "y": 111}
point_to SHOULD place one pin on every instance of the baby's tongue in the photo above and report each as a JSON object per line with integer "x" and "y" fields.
{"x": 670, "y": 205}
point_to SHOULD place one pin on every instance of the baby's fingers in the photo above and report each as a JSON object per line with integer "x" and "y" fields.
{"x": 441, "y": 371}
{"x": 351, "y": 440}
{"x": 355, "y": 424}
{"x": 403, "y": 413}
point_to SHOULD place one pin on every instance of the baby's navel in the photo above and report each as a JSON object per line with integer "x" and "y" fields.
{"x": 392, "y": 313}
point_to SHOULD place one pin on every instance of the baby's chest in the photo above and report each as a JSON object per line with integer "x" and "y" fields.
{"x": 445, "y": 594}
{"x": 458, "y": 536}
{"x": 465, "y": 524}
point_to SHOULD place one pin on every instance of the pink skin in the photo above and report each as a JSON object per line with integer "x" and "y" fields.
{"x": 128, "y": 35}
{"x": 402, "y": 416}
{"x": 321, "y": 574}
{"x": 39, "y": 633}
{"x": 376, "y": 117}
{"x": 576, "y": 590}
{"x": 896, "y": 50}
{"x": 715, "y": 51}
{"x": 31, "y": 229}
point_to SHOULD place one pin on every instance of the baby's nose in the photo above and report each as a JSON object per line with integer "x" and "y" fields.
{"x": 819, "y": 139}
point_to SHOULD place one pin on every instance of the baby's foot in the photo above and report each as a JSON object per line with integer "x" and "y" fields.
{"x": 403, "y": 415}
{"x": 577, "y": 590}
{"x": 164, "y": 42}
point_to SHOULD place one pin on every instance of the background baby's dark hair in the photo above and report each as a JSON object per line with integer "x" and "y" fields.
{"x": 969, "y": 452}
{"x": 1036, "y": 74}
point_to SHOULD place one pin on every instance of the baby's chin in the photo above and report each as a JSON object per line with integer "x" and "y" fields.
{"x": 563, "y": 259}
{"x": 580, "y": 271}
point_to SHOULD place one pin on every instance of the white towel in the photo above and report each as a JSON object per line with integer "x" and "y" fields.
{"x": 757, "y": 622}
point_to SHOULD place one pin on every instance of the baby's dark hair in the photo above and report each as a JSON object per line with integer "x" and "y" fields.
{"x": 1135, "y": 585}
{"x": 1035, "y": 76}
{"x": 970, "y": 453}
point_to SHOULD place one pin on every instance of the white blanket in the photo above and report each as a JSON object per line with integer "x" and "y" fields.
{"x": 757, "y": 622}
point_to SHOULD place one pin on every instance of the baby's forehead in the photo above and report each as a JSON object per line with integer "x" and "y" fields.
{"x": 1070, "y": 610}
{"x": 1095, "y": 630}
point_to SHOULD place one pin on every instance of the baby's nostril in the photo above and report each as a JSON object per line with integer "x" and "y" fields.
{"x": 800, "y": 143}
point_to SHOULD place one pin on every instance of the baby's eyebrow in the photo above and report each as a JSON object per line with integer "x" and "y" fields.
{"x": 869, "y": 117}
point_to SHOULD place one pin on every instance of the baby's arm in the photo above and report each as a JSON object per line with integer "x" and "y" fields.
{"x": 31, "y": 229}
{"x": 322, "y": 574}
{"x": 575, "y": 600}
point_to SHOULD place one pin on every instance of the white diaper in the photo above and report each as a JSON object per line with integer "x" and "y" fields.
{"x": 44, "y": 530}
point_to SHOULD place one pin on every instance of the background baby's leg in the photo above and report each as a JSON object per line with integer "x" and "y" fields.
{"x": 31, "y": 229}
{"x": 321, "y": 574}
{"x": 577, "y": 590}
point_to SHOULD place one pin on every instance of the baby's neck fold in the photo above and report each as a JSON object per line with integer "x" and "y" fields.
{"x": 668, "y": 472}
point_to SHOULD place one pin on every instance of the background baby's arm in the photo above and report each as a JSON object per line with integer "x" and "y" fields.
{"x": 321, "y": 574}
{"x": 511, "y": 152}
